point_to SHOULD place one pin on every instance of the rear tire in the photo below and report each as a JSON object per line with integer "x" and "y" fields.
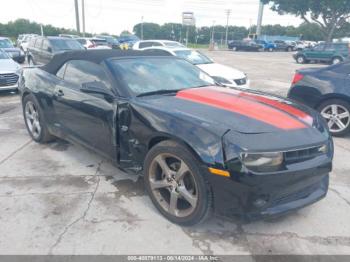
{"x": 337, "y": 114}
{"x": 35, "y": 121}
{"x": 190, "y": 193}
{"x": 336, "y": 60}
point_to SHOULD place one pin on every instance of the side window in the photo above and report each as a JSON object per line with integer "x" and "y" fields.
{"x": 38, "y": 43}
{"x": 156, "y": 44}
{"x": 32, "y": 42}
{"x": 46, "y": 45}
{"x": 145, "y": 44}
{"x": 80, "y": 72}
{"x": 61, "y": 71}
{"x": 319, "y": 47}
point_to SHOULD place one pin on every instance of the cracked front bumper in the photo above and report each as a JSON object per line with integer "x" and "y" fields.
{"x": 255, "y": 196}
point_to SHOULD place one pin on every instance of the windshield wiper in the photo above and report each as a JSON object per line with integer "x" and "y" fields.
{"x": 159, "y": 92}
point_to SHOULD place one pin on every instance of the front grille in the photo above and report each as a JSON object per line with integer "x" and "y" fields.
{"x": 8, "y": 79}
{"x": 303, "y": 154}
{"x": 303, "y": 193}
{"x": 241, "y": 81}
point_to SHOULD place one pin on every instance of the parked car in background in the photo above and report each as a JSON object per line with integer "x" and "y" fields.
{"x": 90, "y": 43}
{"x": 111, "y": 41}
{"x": 41, "y": 49}
{"x": 268, "y": 46}
{"x": 127, "y": 41}
{"x": 68, "y": 36}
{"x": 328, "y": 91}
{"x": 10, "y": 72}
{"x": 224, "y": 75}
{"x": 244, "y": 45}
{"x": 25, "y": 41}
{"x": 152, "y": 43}
{"x": 199, "y": 147}
{"x": 14, "y": 52}
{"x": 333, "y": 53}
{"x": 284, "y": 45}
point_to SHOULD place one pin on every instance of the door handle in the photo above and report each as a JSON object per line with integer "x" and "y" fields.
{"x": 59, "y": 92}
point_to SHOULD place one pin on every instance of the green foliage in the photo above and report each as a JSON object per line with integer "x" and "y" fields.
{"x": 330, "y": 15}
{"x": 24, "y": 26}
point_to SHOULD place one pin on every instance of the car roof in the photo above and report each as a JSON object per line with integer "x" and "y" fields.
{"x": 3, "y": 38}
{"x": 96, "y": 56}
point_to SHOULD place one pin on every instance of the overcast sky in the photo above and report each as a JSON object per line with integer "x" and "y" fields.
{"x": 113, "y": 16}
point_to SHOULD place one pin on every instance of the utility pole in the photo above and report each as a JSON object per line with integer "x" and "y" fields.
{"x": 228, "y": 12}
{"x": 42, "y": 29}
{"x": 213, "y": 33}
{"x": 141, "y": 27}
{"x": 83, "y": 15}
{"x": 77, "y": 15}
{"x": 260, "y": 17}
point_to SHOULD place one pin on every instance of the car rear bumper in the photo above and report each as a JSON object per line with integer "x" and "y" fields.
{"x": 253, "y": 196}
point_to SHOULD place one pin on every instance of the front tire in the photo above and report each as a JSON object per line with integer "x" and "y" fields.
{"x": 176, "y": 185}
{"x": 34, "y": 120}
{"x": 301, "y": 59}
{"x": 337, "y": 114}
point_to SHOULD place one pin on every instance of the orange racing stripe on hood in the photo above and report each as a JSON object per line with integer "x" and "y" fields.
{"x": 240, "y": 105}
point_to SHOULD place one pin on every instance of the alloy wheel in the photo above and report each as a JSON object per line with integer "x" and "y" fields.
{"x": 337, "y": 117}
{"x": 173, "y": 185}
{"x": 32, "y": 119}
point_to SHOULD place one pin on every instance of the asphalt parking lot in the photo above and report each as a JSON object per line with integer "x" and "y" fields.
{"x": 62, "y": 199}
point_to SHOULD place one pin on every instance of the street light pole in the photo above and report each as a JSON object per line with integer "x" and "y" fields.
{"x": 260, "y": 17}
{"x": 141, "y": 27}
{"x": 228, "y": 12}
{"x": 77, "y": 15}
{"x": 83, "y": 15}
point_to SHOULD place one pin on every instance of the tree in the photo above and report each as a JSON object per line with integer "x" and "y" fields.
{"x": 330, "y": 15}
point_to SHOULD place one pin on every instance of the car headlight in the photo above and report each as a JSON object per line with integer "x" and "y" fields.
{"x": 262, "y": 162}
{"x": 221, "y": 80}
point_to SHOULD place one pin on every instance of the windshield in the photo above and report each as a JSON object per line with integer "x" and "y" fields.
{"x": 65, "y": 44}
{"x": 194, "y": 57}
{"x": 144, "y": 75}
{"x": 3, "y": 55}
{"x": 5, "y": 43}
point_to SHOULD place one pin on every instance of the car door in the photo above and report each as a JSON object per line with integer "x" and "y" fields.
{"x": 46, "y": 52}
{"x": 314, "y": 53}
{"x": 37, "y": 51}
{"x": 87, "y": 118}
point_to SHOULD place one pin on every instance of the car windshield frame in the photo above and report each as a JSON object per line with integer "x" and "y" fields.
{"x": 54, "y": 45}
{"x": 123, "y": 72}
{"x": 7, "y": 45}
{"x": 204, "y": 58}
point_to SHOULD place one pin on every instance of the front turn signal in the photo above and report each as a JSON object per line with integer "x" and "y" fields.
{"x": 219, "y": 172}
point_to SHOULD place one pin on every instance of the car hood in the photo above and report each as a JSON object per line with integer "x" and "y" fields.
{"x": 8, "y": 65}
{"x": 221, "y": 109}
{"x": 214, "y": 69}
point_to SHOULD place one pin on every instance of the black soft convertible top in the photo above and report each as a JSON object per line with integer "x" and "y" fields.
{"x": 96, "y": 56}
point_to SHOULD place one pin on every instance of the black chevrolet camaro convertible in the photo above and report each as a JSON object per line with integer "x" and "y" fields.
{"x": 200, "y": 147}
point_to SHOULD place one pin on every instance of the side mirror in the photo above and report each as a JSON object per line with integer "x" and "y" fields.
{"x": 96, "y": 87}
{"x": 49, "y": 49}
